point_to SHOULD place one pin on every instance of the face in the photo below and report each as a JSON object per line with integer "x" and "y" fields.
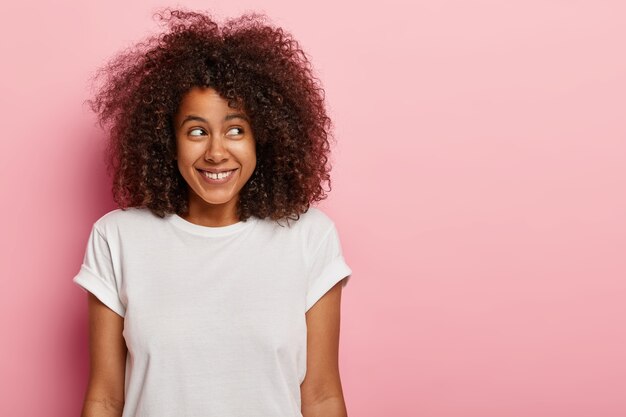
{"x": 215, "y": 151}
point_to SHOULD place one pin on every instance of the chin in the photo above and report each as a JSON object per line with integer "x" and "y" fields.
{"x": 216, "y": 200}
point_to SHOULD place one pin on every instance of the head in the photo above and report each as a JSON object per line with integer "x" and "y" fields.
{"x": 200, "y": 97}
{"x": 215, "y": 149}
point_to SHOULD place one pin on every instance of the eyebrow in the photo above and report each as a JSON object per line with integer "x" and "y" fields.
{"x": 227, "y": 118}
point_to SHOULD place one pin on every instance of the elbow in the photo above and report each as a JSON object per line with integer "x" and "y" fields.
{"x": 102, "y": 407}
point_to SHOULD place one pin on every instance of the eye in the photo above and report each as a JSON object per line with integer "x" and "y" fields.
{"x": 235, "y": 129}
{"x": 196, "y": 130}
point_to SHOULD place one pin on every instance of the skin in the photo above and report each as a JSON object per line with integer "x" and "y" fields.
{"x": 107, "y": 361}
{"x": 223, "y": 141}
{"x": 321, "y": 391}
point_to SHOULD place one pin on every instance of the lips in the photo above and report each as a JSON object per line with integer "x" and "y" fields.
{"x": 215, "y": 170}
{"x": 222, "y": 180}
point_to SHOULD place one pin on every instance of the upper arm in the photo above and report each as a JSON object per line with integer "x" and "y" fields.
{"x": 322, "y": 378}
{"x": 107, "y": 350}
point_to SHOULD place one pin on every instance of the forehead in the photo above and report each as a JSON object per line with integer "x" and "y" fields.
{"x": 205, "y": 100}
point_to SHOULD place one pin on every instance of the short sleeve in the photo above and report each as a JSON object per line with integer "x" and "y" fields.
{"x": 97, "y": 274}
{"x": 327, "y": 267}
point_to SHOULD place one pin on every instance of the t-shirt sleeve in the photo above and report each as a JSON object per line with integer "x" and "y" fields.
{"x": 327, "y": 267}
{"x": 97, "y": 274}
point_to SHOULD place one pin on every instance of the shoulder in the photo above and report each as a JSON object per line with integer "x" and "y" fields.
{"x": 313, "y": 221}
{"x": 120, "y": 219}
{"x": 312, "y": 228}
{"x": 316, "y": 217}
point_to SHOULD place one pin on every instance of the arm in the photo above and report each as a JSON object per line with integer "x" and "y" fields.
{"x": 321, "y": 391}
{"x": 107, "y": 350}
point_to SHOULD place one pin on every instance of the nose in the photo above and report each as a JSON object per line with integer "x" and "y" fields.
{"x": 215, "y": 152}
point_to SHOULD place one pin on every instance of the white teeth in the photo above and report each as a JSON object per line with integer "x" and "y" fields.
{"x": 218, "y": 176}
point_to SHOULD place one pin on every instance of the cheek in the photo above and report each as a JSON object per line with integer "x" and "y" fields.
{"x": 186, "y": 152}
{"x": 251, "y": 153}
{"x": 251, "y": 161}
{"x": 249, "y": 150}
{"x": 245, "y": 153}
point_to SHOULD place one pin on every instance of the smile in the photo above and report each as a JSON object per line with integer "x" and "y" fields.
{"x": 220, "y": 178}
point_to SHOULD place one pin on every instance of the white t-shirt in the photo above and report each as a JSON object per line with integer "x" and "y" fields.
{"x": 214, "y": 317}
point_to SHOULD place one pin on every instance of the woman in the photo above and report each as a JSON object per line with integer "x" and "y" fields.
{"x": 215, "y": 288}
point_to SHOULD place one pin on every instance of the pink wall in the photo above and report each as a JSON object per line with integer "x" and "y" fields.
{"x": 478, "y": 189}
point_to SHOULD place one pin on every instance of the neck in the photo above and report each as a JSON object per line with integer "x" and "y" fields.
{"x": 212, "y": 215}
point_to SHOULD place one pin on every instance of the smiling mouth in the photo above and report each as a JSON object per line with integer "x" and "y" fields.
{"x": 218, "y": 176}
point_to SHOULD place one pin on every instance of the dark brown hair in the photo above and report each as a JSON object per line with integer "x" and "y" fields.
{"x": 247, "y": 61}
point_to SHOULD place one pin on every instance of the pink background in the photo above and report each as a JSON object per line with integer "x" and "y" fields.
{"x": 478, "y": 190}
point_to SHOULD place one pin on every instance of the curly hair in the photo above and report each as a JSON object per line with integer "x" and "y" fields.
{"x": 248, "y": 62}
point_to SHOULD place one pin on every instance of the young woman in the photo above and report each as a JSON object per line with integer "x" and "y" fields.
{"x": 215, "y": 288}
